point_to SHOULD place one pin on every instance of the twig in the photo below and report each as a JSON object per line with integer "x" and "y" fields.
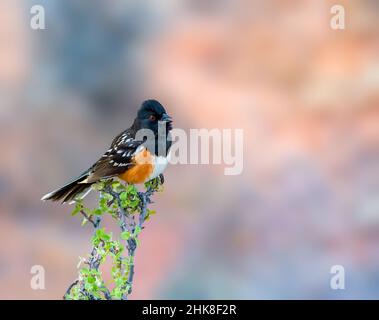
{"x": 68, "y": 291}
{"x": 89, "y": 218}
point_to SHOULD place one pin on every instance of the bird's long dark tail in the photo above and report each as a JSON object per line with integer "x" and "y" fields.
{"x": 70, "y": 190}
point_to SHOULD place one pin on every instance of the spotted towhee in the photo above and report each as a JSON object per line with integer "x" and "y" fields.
{"x": 129, "y": 159}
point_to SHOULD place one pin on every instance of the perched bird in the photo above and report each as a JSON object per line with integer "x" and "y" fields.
{"x": 132, "y": 160}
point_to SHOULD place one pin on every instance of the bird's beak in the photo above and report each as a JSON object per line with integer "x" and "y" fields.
{"x": 168, "y": 119}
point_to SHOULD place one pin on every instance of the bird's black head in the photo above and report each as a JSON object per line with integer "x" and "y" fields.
{"x": 152, "y": 115}
{"x": 149, "y": 115}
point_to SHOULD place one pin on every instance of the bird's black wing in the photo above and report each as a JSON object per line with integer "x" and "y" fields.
{"x": 117, "y": 159}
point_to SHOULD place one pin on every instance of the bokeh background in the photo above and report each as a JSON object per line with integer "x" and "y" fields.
{"x": 306, "y": 96}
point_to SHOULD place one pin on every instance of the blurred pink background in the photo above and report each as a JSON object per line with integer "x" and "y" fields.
{"x": 305, "y": 95}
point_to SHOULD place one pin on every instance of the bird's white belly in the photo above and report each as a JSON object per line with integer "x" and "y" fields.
{"x": 160, "y": 164}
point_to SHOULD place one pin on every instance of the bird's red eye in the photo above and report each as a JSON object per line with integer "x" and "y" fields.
{"x": 152, "y": 117}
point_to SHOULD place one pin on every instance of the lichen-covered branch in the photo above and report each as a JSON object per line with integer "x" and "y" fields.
{"x": 129, "y": 208}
